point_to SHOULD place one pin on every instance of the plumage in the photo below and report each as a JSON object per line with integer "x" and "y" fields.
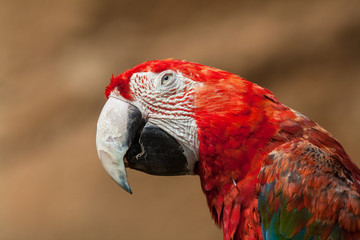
{"x": 267, "y": 171}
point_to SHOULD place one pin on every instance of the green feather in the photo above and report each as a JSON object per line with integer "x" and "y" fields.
{"x": 278, "y": 223}
{"x": 292, "y": 221}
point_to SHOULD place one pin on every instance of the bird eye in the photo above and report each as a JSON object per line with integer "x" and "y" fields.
{"x": 167, "y": 79}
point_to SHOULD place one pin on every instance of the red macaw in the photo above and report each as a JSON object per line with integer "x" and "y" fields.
{"x": 267, "y": 171}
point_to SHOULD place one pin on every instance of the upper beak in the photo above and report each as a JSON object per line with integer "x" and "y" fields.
{"x": 118, "y": 125}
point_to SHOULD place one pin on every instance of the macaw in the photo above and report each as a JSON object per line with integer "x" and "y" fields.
{"x": 268, "y": 172}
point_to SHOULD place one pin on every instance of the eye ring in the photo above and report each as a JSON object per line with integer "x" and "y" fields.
{"x": 167, "y": 79}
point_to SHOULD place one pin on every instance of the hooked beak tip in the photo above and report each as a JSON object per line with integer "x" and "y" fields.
{"x": 115, "y": 169}
{"x": 124, "y": 184}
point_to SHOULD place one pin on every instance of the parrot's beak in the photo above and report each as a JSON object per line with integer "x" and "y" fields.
{"x": 125, "y": 139}
{"x": 117, "y": 127}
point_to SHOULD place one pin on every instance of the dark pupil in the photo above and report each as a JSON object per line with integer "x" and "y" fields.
{"x": 166, "y": 78}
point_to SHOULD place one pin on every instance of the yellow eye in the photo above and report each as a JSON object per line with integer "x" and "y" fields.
{"x": 167, "y": 79}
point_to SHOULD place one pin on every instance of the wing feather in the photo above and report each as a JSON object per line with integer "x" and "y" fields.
{"x": 306, "y": 193}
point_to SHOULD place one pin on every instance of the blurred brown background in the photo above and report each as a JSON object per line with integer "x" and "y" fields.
{"x": 56, "y": 57}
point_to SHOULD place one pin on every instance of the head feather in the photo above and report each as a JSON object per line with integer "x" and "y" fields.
{"x": 194, "y": 71}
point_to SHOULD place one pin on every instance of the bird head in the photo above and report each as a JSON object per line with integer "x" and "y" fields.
{"x": 163, "y": 117}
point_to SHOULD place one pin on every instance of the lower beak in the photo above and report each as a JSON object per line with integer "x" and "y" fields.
{"x": 118, "y": 125}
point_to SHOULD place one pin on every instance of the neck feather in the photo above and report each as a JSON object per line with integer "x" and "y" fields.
{"x": 238, "y": 124}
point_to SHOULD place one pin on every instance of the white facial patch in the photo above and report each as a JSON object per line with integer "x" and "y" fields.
{"x": 168, "y": 103}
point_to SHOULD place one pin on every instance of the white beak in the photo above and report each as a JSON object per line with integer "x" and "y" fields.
{"x": 112, "y": 140}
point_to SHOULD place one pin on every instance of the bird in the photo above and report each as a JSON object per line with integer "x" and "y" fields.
{"x": 267, "y": 171}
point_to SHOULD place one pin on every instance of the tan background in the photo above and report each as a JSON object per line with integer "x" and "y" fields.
{"x": 56, "y": 57}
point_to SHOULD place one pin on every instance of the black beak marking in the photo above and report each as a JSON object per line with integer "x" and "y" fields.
{"x": 155, "y": 152}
